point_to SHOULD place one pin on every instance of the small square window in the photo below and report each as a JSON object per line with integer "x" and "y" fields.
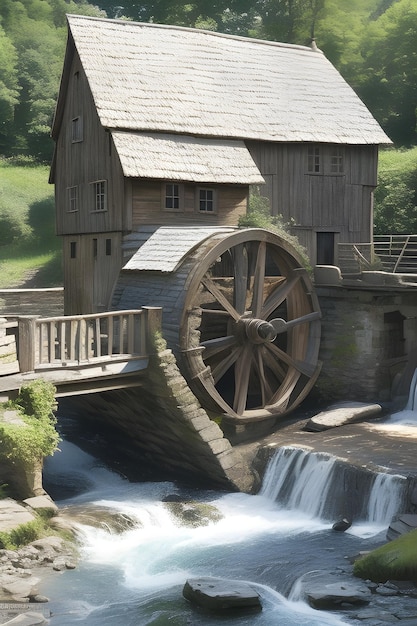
{"x": 100, "y": 195}
{"x": 73, "y": 249}
{"x": 72, "y": 199}
{"x": 172, "y": 196}
{"x": 77, "y": 129}
{"x": 108, "y": 247}
{"x": 314, "y": 165}
{"x": 336, "y": 161}
{"x": 206, "y": 200}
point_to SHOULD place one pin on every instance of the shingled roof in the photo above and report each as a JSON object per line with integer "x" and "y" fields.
{"x": 167, "y": 79}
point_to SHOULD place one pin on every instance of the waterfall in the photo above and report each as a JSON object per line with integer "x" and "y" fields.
{"x": 299, "y": 479}
{"x": 322, "y": 486}
{"x": 386, "y": 498}
{"x": 412, "y": 396}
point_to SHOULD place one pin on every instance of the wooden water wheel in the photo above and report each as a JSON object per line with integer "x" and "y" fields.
{"x": 243, "y": 319}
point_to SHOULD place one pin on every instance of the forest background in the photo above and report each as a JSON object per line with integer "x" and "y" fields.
{"x": 373, "y": 44}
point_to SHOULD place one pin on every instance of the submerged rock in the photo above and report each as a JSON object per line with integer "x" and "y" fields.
{"x": 194, "y": 514}
{"x": 218, "y": 594}
{"x": 342, "y": 525}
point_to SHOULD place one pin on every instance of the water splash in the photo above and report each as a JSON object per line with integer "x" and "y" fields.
{"x": 386, "y": 498}
{"x": 299, "y": 479}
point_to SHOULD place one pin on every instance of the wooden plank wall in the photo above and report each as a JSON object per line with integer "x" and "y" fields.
{"x": 340, "y": 203}
{"x": 84, "y": 162}
{"x": 148, "y": 198}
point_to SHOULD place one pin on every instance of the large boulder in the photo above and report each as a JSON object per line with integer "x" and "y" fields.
{"x": 342, "y": 413}
{"x": 396, "y": 560}
{"x": 218, "y": 594}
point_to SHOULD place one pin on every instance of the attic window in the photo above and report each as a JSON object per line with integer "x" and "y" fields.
{"x": 173, "y": 196}
{"x": 206, "y": 200}
{"x": 72, "y": 199}
{"x": 336, "y": 161}
{"x": 314, "y": 165}
{"x": 77, "y": 129}
{"x": 100, "y": 195}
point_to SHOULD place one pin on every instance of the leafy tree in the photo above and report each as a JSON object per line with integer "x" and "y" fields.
{"x": 389, "y": 85}
{"x": 395, "y": 208}
{"x": 9, "y": 86}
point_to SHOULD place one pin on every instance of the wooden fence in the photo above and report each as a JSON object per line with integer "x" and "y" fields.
{"x": 389, "y": 253}
{"x": 80, "y": 340}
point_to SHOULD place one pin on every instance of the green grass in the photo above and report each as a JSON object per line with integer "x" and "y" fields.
{"x": 28, "y": 242}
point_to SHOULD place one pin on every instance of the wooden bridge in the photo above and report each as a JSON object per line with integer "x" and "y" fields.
{"x": 78, "y": 353}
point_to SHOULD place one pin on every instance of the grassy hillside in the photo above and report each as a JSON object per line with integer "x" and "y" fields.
{"x": 29, "y": 249}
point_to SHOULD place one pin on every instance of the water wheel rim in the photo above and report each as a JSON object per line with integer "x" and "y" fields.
{"x": 267, "y": 380}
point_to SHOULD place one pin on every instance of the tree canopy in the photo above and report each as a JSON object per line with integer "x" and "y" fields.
{"x": 373, "y": 43}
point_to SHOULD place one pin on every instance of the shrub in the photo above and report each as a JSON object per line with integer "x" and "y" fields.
{"x": 259, "y": 216}
{"x": 37, "y": 438}
{"x": 22, "y": 535}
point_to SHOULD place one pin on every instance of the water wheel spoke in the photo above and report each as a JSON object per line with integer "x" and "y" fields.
{"x": 242, "y": 376}
{"x": 221, "y": 368}
{"x": 259, "y": 280}
{"x": 215, "y": 311}
{"x": 210, "y": 285}
{"x": 281, "y": 326}
{"x": 273, "y": 364}
{"x": 278, "y": 296}
{"x": 266, "y": 390}
{"x": 240, "y": 277}
{"x": 214, "y": 346}
{"x": 303, "y": 367}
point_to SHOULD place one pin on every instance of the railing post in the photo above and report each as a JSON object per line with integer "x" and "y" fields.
{"x": 26, "y": 350}
{"x": 153, "y": 323}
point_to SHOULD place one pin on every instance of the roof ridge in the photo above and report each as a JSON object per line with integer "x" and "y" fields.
{"x": 214, "y": 33}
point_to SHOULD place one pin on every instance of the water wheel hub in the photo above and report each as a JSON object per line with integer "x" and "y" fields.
{"x": 257, "y": 330}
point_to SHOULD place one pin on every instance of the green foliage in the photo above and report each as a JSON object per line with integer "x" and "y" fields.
{"x": 37, "y": 438}
{"x": 22, "y": 535}
{"x": 37, "y": 399}
{"x": 395, "y": 209}
{"x": 258, "y": 215}
{"x": 396, "y": 560}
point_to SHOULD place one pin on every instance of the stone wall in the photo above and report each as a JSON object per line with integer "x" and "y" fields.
{"x": 369, "y": 340}
{"x": 167, "y": 427}
{"x": 42, "y": 302}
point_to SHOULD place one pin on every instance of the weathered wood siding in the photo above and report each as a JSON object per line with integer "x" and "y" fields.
{"x": 81, "y": 163}
{"x": 148, "y": 202}
{"x": 341, "y": 203}
{"x": 90, "y": 274}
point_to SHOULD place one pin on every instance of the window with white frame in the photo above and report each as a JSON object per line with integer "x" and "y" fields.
{"x": 314, "y": 161}
{"x": 336, "y": 161}
{"x": 172, "y": 197}
{"x": 100, "y": 195}
{"x": 72, "y": 199}
{"x": 77, "y": 129}
{"x": 206, "y": 199}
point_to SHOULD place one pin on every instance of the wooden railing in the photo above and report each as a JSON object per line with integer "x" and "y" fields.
{"x": 76, "y": 340}
{"x": 389, "y": 253}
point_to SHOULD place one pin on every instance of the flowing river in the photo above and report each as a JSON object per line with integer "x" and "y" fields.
{"x": 271, "y": 540}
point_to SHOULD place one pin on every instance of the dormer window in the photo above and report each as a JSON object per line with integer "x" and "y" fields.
{"x": 77, "y": 129}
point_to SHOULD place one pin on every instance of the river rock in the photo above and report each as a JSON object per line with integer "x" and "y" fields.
{"x": 322, "y": 591}
{"x": 27, "y": 619}
{"x": 342, "y": 525}
{"x": 340, "y": 414}
{"x": 220, "y": 594}
{"x": 13, "y": 514}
